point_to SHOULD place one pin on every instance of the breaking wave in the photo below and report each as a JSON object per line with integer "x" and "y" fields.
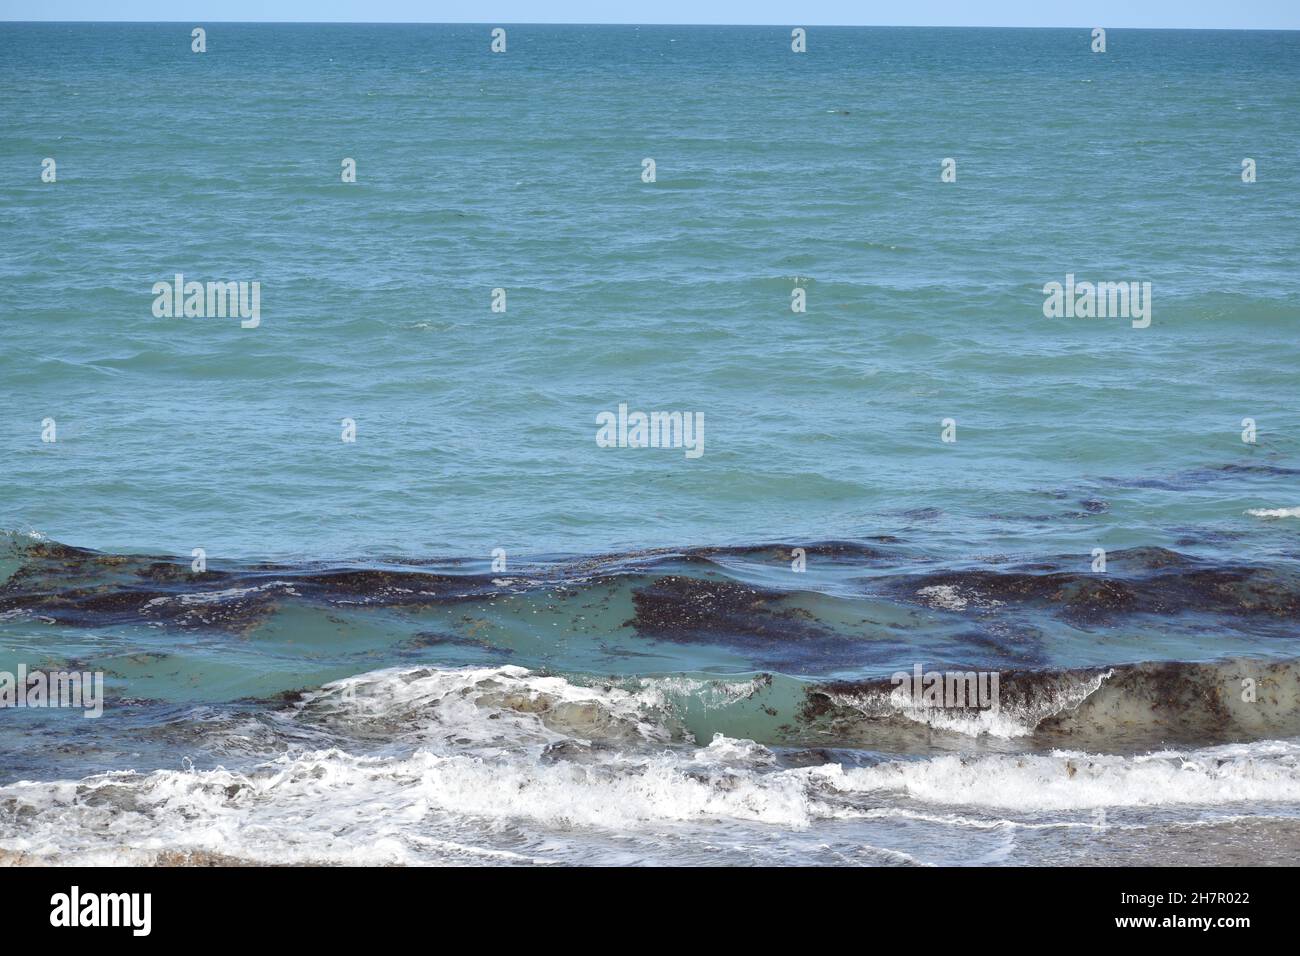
{"x": 1144, "y": 702}
{"x": 500, "y": 765}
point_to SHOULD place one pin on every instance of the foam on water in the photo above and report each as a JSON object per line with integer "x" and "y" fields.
{"x": 1267, "y": 771}
{"x": 502, "y": 765}
{"x": 1275, "y": 512}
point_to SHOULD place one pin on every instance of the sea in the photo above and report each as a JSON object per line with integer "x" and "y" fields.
{"x": 610, "y": 432}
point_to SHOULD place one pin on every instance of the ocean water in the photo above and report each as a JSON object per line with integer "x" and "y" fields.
{"x": 475, "y": 635}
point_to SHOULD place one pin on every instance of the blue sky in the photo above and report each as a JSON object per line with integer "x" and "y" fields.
{"x": 1258, "y": 14}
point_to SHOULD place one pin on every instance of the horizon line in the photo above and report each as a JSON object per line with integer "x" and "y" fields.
{"x": 590, "y": 23}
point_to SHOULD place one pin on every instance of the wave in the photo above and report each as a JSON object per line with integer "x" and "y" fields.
{"x": 737, "y": 610}
{"x": 1266, "y": 772}
{"x": 503, "y": 765}
{"x": 1124, "y": 704}
{"x": 429, "y": 753}
{"x": 1120, "y": 708}
{"x": 1274, "y": 512}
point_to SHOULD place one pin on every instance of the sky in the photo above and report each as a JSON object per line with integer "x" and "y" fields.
{"x": 1207, "y": 14}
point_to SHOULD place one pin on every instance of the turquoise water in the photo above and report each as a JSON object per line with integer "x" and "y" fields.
{"x": 645, "y": 581}
{"x": 522, "y": 171}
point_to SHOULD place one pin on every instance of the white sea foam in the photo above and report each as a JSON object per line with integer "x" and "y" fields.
{"x": 1274, "y": 512}
{"x": 216, "y": 597}
{"x": 1268, "y": 771}
{"x": 949, "y": 597}
{"x": 334, "y": 806}
{"x": 331, "y": 806}
{"x": 665, "y": 691}
{"x": 485, "y": 706}
{"x": 480, "y": 778}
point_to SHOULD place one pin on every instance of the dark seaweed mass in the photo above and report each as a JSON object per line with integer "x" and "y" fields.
{"x": 81, "y": 588}
{"x": 772, "y": 627}
{"x": 1137, "y": 581}
{"x": 692, "y": 596}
